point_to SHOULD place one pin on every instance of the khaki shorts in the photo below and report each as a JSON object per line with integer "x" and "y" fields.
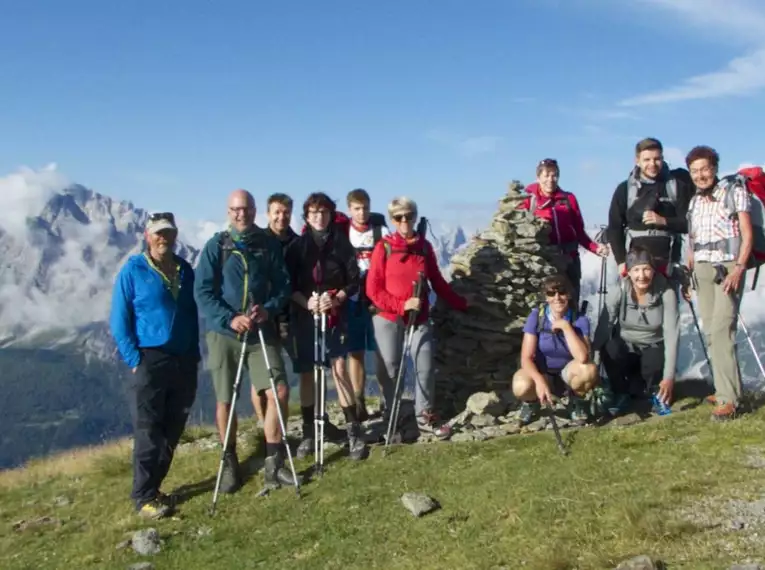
{"x": 223, "y": 353}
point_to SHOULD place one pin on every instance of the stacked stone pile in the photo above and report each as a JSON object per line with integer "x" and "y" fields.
{"x": 500, "y": 272}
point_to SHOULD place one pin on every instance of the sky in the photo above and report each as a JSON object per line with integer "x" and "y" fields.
{"x": 174, "y": 104}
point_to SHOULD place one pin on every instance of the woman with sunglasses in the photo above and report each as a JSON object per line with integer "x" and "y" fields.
{"x": 550, "y": 202}
{"x": 555, "y": 354}
{"x": 398, "y": 262}
{"x": 638, "y": 334}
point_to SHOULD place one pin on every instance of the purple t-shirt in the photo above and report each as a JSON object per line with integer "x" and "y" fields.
{"x": 552, "y": 348}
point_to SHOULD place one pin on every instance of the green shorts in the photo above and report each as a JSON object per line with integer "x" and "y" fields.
{"x": 223, "y": 353}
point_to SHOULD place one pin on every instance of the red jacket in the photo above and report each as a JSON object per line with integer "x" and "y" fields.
{"x": 391, "y": 276}
{"x": 562, "y": 211}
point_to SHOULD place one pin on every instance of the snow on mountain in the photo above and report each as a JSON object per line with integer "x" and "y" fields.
{"x": 59, "y": 262}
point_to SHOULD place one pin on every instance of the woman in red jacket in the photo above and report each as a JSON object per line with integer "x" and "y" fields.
{"x": 397, "y": 262}
{"x": 550, "y": 202}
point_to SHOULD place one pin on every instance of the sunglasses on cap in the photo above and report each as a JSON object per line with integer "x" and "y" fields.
{"x": 167, "y": 216}
{"x": 549, "y": 162}
{"x": 409, "y": 216}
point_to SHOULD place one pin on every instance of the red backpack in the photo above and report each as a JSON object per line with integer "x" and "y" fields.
{"x": 754, "y": 179}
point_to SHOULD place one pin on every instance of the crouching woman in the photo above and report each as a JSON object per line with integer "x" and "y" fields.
{"x": 555, "y": 354}
{"x": 638, "y": 334}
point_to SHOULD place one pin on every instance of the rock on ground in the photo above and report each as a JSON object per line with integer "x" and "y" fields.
{"x": 146, "y": 542}
{"x": 419, "y": 504}
{"x": 638, "y": 563}
{"x": 141, "y": 566}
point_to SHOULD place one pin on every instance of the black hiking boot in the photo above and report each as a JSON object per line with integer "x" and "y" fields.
{"x": 230, "y": 480}
{"x": 306, "y": 446}
{"x": 357, "y": 449}
{"x": 276, "y": 474}
{"x": 332, "y": 432}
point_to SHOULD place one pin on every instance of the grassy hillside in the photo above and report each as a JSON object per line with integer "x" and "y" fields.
{"x": 680, "y": 489}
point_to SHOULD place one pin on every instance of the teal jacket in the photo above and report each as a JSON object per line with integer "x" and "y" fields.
{"x": 256, "y": 269}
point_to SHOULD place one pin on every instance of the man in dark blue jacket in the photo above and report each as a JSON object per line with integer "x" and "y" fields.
{"x": 235, "y": 267}
{"x": 155, "y": 325}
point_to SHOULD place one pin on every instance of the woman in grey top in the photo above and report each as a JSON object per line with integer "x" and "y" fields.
{"x": 638, "y": 334}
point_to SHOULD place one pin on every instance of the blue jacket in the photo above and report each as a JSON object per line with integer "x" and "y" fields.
{"x": 144, "y": 313}
{"x": 258, "y": 270}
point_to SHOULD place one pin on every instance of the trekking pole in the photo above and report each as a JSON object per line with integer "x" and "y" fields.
{"x": 278, "y": 410}
{"x": 409, "y": 336}
{"x": 751, "y": 344}
{"x": 688, "y": 279}
{"x": 230, "y": 419}
{"x": 316, "y": 372}
{"x": 701, "y": 336}
{"x": 323, "y": 389}
{"x": 556, "y": 431}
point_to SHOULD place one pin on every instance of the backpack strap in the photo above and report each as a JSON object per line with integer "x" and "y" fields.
{"x": 225, "y": 247}
{"x": 376, "y": 234}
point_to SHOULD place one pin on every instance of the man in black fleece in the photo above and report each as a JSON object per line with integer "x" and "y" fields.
{"x": 324, "y": 272}
{"x": 649, "y": 208}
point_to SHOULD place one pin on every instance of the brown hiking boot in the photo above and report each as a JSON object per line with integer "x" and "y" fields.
{"x": 724, "y": 412}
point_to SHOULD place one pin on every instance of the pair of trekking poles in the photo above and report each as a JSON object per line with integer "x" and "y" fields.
{"x": 232, "y": 411}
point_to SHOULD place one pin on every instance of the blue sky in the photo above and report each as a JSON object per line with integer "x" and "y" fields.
{"x": 173, "y": 104}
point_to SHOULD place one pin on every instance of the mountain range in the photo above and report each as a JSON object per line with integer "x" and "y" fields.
{"x": 63, "y": 382}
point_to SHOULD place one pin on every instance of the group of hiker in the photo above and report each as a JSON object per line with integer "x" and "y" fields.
{"x": 327, "y": 296}
{"x": 349, "y": 284}
{"x": 652, "y": 213}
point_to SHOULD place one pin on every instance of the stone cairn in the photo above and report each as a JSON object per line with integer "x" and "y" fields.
{"x": 500, "y": 272}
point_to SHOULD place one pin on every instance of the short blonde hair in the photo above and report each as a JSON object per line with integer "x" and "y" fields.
{"x": 402, "y": 205}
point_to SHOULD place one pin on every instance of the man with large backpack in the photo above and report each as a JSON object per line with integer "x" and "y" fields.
{"x": 723, "y": 244}
{"x": 364, "y": 231}
{"x": 241, "y": 285}
{"x": 649, "y": 208}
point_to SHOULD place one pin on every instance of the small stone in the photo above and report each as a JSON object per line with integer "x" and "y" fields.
{"x": 204, "y": 531}
{"x": 462, "y": 436}
{"x": 638, "y": 563}
{"x": 61, "y": 501}
{"x": 737, "y": 525}
{"x": 489, "y": 403}
{"x": 141, "y": 566}
{"x": 483, "y": 420}
{"x": 510, "y": 429}
{"x": 493, "y": 431}
{"x": 746, "y": 567}
{"x": 419, "y": 504}
{"x": 124, "y": 544}
{"x": 626, "y": 420}
{"x": 146, "y": 542}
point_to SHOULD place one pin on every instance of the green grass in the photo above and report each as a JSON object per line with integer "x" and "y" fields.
{"x": 513, "y": 502}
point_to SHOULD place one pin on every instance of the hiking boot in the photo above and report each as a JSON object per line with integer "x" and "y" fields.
{"x": 619, "y": 404}
{"x": 306, "y": 446}
{"x": 428, "y": 422}
{"x": 723, "y": 412}
{"x": 361, "y": 409}
{"x": 528, "y": 411}
{"x": 230, "y": 481}
{"x": 154, "y": 509}
{"x": 577, "y": 410}
{"x": 169, "y": 500}
{"x": 332, "y": 432}
{"x": 357, "y": 449}
{"x": 275, "y": 474}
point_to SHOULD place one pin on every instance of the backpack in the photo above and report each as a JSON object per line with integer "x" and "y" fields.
{"x": 542, "y": 317}
{"x": 633, "y": 187}
{"x": 534, "y": 199}
{"x": 626, "y": 287}
{"x": 226, "y": 247}
{"x": 753, "y": 179}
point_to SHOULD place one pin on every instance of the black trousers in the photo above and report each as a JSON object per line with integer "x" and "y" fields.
{"x": 574, "y": 274}
{"x": 162, "y": 392}
{"x": 632, "y": 369}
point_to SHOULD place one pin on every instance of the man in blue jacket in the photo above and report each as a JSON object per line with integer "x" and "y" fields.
{"x": 155, "y": 325}
{"x": 242, "y": 284}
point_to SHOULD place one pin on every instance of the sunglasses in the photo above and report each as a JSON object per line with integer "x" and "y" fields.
{"x": 167, "y": 216}
{"x": 551, "y": 162}
{"x": 401, "y": 217}
{"x": 558, "y": 292}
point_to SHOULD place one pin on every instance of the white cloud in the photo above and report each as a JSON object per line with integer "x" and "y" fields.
{"x": 730, "y": 21}
{"x": 24, "y": 193}
{"x": 468, "y": 147}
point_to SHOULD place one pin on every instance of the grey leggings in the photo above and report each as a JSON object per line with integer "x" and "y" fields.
{"x": 389, "y": 336}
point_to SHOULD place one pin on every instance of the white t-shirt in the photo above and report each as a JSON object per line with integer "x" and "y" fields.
{"x": 364, "y": 244}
